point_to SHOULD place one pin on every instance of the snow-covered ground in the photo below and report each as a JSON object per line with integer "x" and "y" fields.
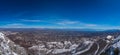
{"x": 116, "y": 44}
{"x": 7, "y": 46}
{"x": 60, "y": 48}
{"x": 113, "y": 44}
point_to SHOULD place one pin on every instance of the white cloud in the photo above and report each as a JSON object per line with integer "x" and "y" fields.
{"x": 67, "y": 22}
{"x": 31, "y": 20}
{"x": 13, "y": 25}
{"x": 60, "y": 24}
{"x": 90, "y": 25}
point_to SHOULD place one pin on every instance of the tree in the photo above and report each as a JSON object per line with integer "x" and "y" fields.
{"x": 103, "y": 53}
{"x": 116, "y": 51}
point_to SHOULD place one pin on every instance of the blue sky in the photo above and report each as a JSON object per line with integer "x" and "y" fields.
{"x": 77, "y": 14}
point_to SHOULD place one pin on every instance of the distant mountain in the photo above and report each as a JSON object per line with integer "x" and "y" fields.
{"x": 113, "y": 30}
{"x": 82, "y": 29}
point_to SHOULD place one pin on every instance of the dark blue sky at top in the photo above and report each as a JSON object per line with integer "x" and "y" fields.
{"x": 96, "y": 14}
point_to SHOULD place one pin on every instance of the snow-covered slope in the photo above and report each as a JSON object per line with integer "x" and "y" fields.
{"x": 7, "y": 47}
{"x": 114, "y": 47}
{"x": 58, "y": 48}
{"x": 116, "y": 42}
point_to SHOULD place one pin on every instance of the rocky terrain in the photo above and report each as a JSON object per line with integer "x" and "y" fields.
{"x": 7, "y": 47}
{"x": 58, "y": 43}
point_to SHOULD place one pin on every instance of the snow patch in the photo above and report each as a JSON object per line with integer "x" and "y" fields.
{"x": 5, "y": 48}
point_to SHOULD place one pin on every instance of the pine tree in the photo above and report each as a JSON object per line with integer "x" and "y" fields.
{"x": 116, "y": 51}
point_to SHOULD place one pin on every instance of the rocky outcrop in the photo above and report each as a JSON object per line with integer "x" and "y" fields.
{"x": 7, "y": 47}
{"x": 114, "y": 47}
